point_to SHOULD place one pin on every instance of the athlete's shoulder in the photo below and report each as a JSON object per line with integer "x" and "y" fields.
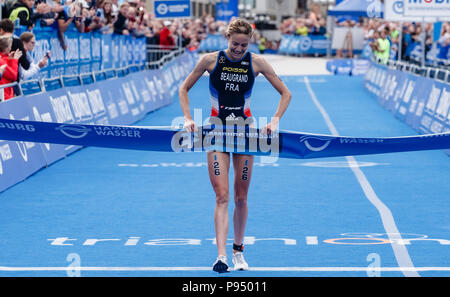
{"x": 258, "y": 59}
{"x": 207, "y": 61}
{"x": 209, "y": 57}
{"x": 259, "y": 63}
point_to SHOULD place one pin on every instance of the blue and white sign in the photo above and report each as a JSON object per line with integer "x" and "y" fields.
{"x": 421, "y": 102}
{"x": 118, "y": 101}
{"x": 393, "y": 11}
{"x": 172, "y": 9}
{"x": 426, "y": 8}
{"x": 225, "y": 10}
{"x": 294, "y": 44}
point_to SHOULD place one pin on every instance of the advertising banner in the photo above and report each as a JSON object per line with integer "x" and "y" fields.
{"x": 172, "y": 8}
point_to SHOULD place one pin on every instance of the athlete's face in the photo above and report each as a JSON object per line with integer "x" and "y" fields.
{"x": 237, "y": 45}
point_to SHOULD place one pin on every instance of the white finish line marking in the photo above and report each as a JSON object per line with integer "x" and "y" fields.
{"x": 207, "y": 268}
{"x": 312, "y": 240}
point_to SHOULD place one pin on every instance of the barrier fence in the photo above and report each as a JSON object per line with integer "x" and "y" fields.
{"x": 421, "y": 102}
{"x": 114, "y": 97}
{"x": 86, "y": 52}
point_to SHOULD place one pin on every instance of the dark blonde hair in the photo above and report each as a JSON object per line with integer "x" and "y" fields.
{"x": 239, "y": 26}
{"x": 26, "y": 37}
{"x": 5, "y": 42}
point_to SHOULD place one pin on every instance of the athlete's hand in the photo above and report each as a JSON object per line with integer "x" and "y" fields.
{"x": 190, "y": 126}
{"x": 271, "y": 127}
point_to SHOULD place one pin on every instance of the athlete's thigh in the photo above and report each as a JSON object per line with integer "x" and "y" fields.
{"x": 218, "y": 169}
{"x": 243, "y": 168}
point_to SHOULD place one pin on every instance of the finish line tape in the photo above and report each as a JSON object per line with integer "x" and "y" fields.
{"x": 284, "y": 144}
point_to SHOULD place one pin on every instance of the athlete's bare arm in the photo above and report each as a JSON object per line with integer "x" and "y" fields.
{"x": 206, "y": 63}
{"x": 260, "y": 65}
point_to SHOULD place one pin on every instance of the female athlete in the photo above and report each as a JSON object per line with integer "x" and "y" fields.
{"x": 232, "y": 73}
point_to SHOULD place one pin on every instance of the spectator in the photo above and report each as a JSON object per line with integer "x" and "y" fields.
{"x": 393, "y": 36}
{"x": 132, "y": 22}
{"x": 93, "y": 19}
{"x": 301, "y": 29}
{"x": 185, "y": 35}
{"x": 166, "y": 40}
{"x": 108, "y": 17}
{"x": 382, "y": 47}
{"x": 319, "y": 27}
{"x": 120, "y": 26}
{"x": 11, "y": 60}
{"x": 87, "y": 4}
{"x": 65, "y": 18}
{"x": 48, "y": 17}
{"x": 444, "y": 42}
{"x": 29, "y": 41}
{"x": 22, "y": 10}
{"x": 7, "y": 30}
{"x": 347, "y": 45}
{"x": 408, "y": 41}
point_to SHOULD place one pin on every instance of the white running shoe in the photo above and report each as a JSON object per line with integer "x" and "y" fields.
{"x": 221, "y": 264}
{"x": 239, "y": 261}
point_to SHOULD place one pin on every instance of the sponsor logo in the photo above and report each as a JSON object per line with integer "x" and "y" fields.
{"x": 305, "y": 43}
{"x": 73, "y": 131}
{"x": 314, "y": 143}
{"x": 17, "y": 126}
{"x": 231, "y": 107}
{"x": 231, "y": 117}
{"x": 237, "y": 70}
{"x": 222, "y": 60}
{"x": 361, "y": 140}
{"x": 429, "y": 1}
{"x": 162, "y": 8}
{"x": 117, "y": 131}
{"x": 349, "y": 239}
{"x": 397, "y": 7}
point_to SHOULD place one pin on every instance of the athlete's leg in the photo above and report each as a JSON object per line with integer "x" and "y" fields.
{"x": 243, "y": 167}
{"x": 218, "y": 168}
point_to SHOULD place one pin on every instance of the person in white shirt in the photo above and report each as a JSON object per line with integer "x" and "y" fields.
{"x": 29, "y": 41}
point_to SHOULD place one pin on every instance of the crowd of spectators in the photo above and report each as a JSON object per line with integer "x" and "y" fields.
{"x": 377, "y": 31}
{"x": 132, "y": 18}
{"x": 311, "y": 24}
{"x": 104, "y": 16}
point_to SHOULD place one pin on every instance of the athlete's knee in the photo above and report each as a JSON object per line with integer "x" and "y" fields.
{"x": 240, "y": 200}
{"x": 222, "y": 197}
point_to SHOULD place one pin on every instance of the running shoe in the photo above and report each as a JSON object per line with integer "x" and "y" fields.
{"x": 221, "y": 264}
{"x": 239, "y": 261}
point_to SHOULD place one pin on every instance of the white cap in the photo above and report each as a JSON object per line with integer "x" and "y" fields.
{"x": 167, "y": 23}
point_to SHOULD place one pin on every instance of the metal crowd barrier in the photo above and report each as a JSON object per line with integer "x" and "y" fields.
{"x": 426, "y": 71}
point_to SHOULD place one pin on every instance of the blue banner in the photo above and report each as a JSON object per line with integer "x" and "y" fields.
{"x": 86, "y": 52}
{"x": 296, "y": 45}
{"x": 225, "y": 10}
{"x": 30, "y": 154}
{"x": 115, "y": 101}
{"x": 423, "y": 103}
{"x": 348, "y": 66}
{"x": 248, "y": 140}
{"x": 172, "y": 8}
